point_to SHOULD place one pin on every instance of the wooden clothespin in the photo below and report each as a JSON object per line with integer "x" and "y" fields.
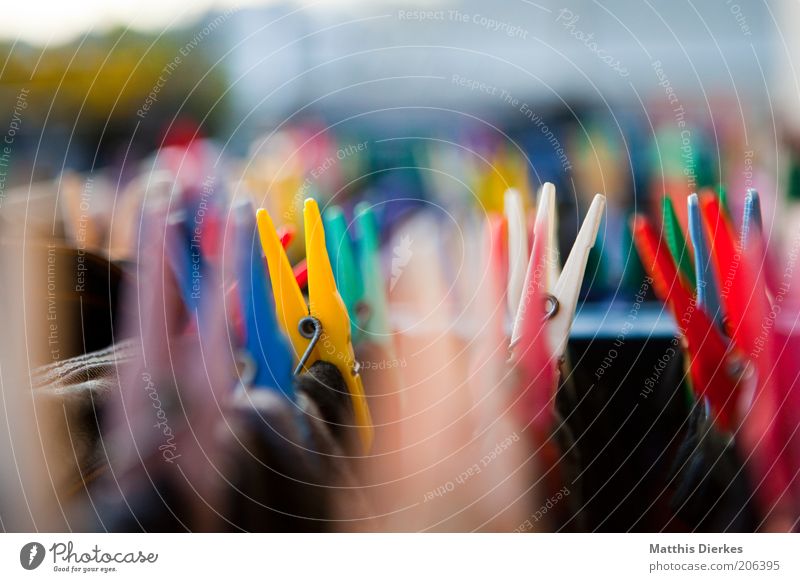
{"x": 561, "y": 287}
{"x": 319, "y": 330}
{"x": 517, "y": 248}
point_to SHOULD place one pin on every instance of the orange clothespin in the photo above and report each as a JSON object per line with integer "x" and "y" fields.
{"x": 319, "y": 330}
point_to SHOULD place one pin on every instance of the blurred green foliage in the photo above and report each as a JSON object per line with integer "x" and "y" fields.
{"x": 95, "y": 84}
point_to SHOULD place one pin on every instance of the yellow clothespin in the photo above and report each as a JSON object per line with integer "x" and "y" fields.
{"x": 562, "y": 287}
{"x": 324, "y": 321}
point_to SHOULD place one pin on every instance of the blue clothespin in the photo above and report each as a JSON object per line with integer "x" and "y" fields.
{"x": 265, "y": 344}
{"x": 751, "y": 220}
{"x": 707, "y": 290}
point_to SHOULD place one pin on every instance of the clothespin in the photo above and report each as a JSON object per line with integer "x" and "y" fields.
{"x": 677, "y": 243}
{"x": 185, "y": 259}
{"x": 286, "y": 235}
{"x": 706, "y": 284}
{"x": 320, "y": 329}
{"x": 546, "y": 311}
{"x": 517, "y": 248}
{"x": 751, "y": 219}
{"x": 377, "y": 321}
{"x": 722, "y": 195}
{"x": 561, "y": 287}
{"x": 716, "y": 368}
{"x": 265, "y": 344}
{"x": 734, "y": 277}
{"x": 345, "y": 271}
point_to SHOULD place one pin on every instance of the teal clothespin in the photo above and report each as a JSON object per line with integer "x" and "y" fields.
{"x": 677, "y": 243}
{"x": 751, "y": 220}
{"x": 707, "y": 290}
{"x": 346, "y": 272}
{"x": 377, "y": 321}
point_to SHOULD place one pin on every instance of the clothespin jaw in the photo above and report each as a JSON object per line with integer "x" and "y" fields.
{"x": 377, "y": 320}
{"x": 547, "y": 208}
{"x": 327, "y": 306}
{"x": 290, "y": 306}
{"x": 561, "y": 287}
{"x": 517, "y": 248}
{"x": 567, "y": 289}
{"x": 543, "y": 232}
{"x": 345, "y": 270}
{"x": 265, "y": 343}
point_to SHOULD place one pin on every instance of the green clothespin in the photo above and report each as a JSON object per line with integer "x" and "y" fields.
{"x": 345, "y": 271}
{"x": 677, "y": 243}
{"x": 722, "y": 194}
{"x": 377, "y": 320}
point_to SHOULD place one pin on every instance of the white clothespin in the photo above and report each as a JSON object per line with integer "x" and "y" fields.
{"x": 517, "y": 248}
{"x": 561, "y": 286}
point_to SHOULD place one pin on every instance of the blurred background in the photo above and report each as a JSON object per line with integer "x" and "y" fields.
{"x": 628, "y": 100}
{"x": 406, "y": 105}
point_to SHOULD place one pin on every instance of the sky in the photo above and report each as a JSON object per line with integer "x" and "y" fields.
{"x": 56, "y": 21}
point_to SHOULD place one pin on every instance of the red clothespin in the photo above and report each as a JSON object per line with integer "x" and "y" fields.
{"x": 735, "y": 276}
{"x": 286, "y": 235}
{"x": 715, "y": 369}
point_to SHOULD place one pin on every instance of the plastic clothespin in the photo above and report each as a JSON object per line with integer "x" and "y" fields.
{"x": 715, "y": 368}
{"x": 722, "y": 196}
{"x": 265, "y": 344}
{"x": 733, "y": 275}
{"x": 517, "y": 248}
{"x": 185, "y": 259}
{"x": 677, "y": 243}
{"x": 286, "y": 234}
{"x": 376, "y": 323}
{"x": 562, "y": 287}
{"x": 330, "y": 338}
{"x": 751, "y": 218}
{"x": 706, "y": 284}
{"x": 345, "y": 270}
